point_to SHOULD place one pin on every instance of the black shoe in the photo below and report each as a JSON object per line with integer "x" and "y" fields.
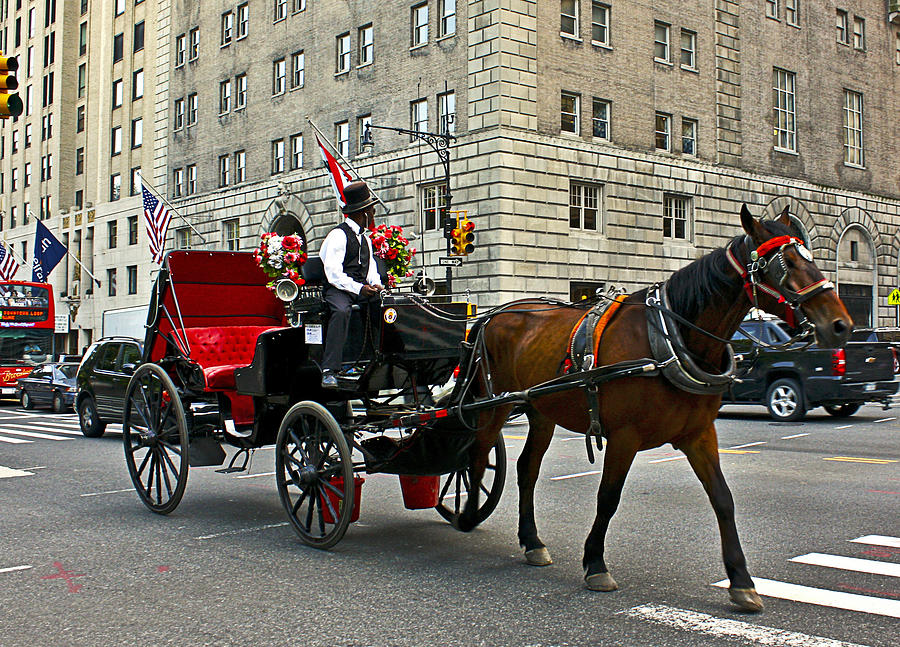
{"x": 329, "y": 381}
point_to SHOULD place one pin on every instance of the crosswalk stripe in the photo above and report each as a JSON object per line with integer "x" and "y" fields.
{"x": 878, "y": 540}
{"x": 823, "y": 597}
{"x": 32, "y": 434}
{"x": 56, "y": 430}
{"x": 11, "y": 569}
{"x": 727, "y": 628}
{"x": 849, "y": 564}
{"x": 8, "y": 472}
{"x": 14, "y": 441}
{"x": 57, "y": 425}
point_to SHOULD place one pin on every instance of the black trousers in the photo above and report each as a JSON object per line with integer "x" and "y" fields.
{"x": 340, "y": 303}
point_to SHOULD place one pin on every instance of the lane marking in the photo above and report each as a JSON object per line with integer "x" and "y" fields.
{"x": 242, "y": 530}
{"x": 886, "y": 419}
{"x": 515, "y": 437}
{"x": 849, "y": 564}
{"x": 878, "y": 540}
{"x": 794, "y": 436}
{"x": 882, "y": 492}
{"x": 857, "y": 459}
{"x": 844, "y": 427}
{"x": 572, "y": 476}
{"x": 14, "y": 441}
{"x": 131, "y": 489}
{"x": 32, "y": 434}
{"x": 758, "y": 442}
{"x": 253, "y": 476}
{"x": 8, "y": 472}
{"x": 738, "y": 451}
{"x": 663, "y": 460}
{"x": 725, "y": 628}
{"x": 10, "y": 569}
{"x": 823, "y": 597}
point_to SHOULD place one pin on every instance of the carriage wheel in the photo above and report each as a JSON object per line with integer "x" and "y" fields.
{"x": 314, "y": 474}
{"x": 457, "y": 486}
{"x": 154, "y": 429}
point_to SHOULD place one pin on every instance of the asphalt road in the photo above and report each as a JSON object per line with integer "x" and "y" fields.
{"x": 82, "y": 562}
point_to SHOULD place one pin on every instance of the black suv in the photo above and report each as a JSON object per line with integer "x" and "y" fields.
{"x": 102, "y": 380}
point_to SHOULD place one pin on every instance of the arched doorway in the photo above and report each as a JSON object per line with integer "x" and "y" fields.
{"x": 857, "y": 274}
{"x": 799, "y": 214}
{"x": 285, "y": 215}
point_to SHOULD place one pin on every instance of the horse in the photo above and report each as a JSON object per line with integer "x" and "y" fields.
{"x": 767, "y": 267}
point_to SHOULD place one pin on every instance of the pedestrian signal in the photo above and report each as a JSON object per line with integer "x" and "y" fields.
{"x": 10, "y": 103}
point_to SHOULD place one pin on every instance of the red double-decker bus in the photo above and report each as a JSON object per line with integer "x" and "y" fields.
{"x": 26, "y": 330}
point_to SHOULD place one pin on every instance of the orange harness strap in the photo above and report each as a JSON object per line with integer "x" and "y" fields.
{"x": 605, "y": 319}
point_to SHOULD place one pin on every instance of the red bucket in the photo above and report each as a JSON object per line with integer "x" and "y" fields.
{"x": 336, "y": 502}
{"x": 420, "y": 492}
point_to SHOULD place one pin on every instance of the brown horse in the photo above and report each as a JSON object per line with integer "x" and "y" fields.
{"x": 526, "y": 345}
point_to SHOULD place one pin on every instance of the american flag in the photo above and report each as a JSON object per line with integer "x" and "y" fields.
{"x": 158, "y": 217}
{"x": 8, "y": 264}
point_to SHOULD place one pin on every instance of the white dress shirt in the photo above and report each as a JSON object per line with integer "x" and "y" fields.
{"x": 332, "y": 254}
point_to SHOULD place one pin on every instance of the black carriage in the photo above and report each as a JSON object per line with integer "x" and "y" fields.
{"x": 226, "y": 361}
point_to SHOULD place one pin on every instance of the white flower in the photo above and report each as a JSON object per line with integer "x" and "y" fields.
{"x": 275, "y": 262}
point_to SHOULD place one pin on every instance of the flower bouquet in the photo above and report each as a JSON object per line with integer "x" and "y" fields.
{"x": 280, "y": 257}
{"x": 389, "y": 244}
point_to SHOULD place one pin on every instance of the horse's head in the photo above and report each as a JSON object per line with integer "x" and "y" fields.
{"x": 783, "y": 267}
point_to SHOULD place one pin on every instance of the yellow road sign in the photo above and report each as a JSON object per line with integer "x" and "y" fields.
{"x": 894, "y": 297}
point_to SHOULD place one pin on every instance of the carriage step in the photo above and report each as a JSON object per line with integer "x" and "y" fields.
{"x": 231, "y": 470}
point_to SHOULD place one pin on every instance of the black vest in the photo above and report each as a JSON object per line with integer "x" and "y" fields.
{"x": 356, "y": 259}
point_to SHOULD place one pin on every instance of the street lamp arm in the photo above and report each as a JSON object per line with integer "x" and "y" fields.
{"x": 439, "y": 142}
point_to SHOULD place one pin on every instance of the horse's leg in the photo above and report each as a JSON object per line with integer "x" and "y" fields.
{"x": 540, "y": 432}
{"x": 703, "y": 454}
{"x": 489, "y": 427}
{"x": 620, "y": 453}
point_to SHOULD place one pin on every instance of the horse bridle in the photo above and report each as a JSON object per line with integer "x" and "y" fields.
{"x": 761, "y": 267}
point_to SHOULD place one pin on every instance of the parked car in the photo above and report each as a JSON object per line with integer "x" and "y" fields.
{"x": 102, "y": 378}
{"x": 792, "y": 381}
{"x": 51, "y": 384}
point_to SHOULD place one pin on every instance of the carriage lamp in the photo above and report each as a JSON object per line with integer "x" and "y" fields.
{"x": 286, "y": 290}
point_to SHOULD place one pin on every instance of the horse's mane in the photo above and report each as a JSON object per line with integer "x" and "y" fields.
{"x": 691, "y": 288}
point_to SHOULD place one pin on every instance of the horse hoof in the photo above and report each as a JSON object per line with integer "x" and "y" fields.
{"x": 746, "y": 599}
{"x": 538, "y": 556}
{"x": 600, "y": 582}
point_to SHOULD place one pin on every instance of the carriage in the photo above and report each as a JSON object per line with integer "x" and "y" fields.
{"x": 226, "y": 362}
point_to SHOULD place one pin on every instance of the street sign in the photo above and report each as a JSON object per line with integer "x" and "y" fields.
{"x": 61, "y": 323}
{"x": 450, "y": 260}
{"x": 894, "y": 297}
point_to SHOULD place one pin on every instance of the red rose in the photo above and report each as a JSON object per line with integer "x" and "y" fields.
{"x": 290, "y": 242}
{"x": 392, "y": 253}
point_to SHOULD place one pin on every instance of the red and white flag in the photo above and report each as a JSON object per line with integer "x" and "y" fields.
{"x": 336, "y": 173}
{"x": 157, "y": 217}
{"x": 8, "y": 264}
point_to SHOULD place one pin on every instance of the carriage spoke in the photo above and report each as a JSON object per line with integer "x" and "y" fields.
{"x": 334, "y": 514}
{"x": 170, "y": 446}
{"x": 321, "y": 514}
{"x": 140, "y": 470}
{"x": 149, "y": 484}
{"x": 310, "y": 509}
{"x": 330, "y": 486}
{"x": 158, "y": 479}
{"x": 299, "y": 502}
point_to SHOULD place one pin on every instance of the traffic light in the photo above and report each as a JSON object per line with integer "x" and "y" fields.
{"x": 466, "y": 236}
{"x": 10, "y": 104}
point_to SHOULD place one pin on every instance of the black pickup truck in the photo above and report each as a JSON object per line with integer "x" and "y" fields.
{"x": 790, "y": 382}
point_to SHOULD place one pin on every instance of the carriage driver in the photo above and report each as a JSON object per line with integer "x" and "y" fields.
{"x": 351, "y": 273}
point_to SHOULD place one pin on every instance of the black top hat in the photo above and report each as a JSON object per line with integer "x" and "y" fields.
{"x": 357, "y": 197}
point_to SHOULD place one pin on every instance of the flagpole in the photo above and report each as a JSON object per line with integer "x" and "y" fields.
{"x": 345, "y": 161}
{"x": 86, "y": 270}
{"x": 11, "y": 251}
{"x": 159, "y": 195}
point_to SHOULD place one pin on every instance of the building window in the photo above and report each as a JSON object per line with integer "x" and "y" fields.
{"x": 191, "y": 179}
{"x": 663, "y": 132}
{"x": 224, "y": 170}
{"x": 79, "y": 119}
{"x": 853, "y": 128}
{"x": 132, "y": 230}
{"x": 28, "y": 128}
{"x": 688, "y": 136}
{"x": 569, "y": 117}
{"x": 859, "y": 33}
{"x": 240, "y": 166}
{"x": 277, "y": 156}
{"x": 184, "y": 238}
{"x": 447, "y": 22}
{"x": 843, "y": 27}
{"x": 854, "y": 250}
{"x": 240, "y": 91}
{"x": 772, "y": 9}
{"x": 792, "y": 12}
{"x": 194, "y": 44}
{"x": 178, "y": 182}
{"x": 243, "y": 20}
{"x": 600, "y": 119}
{"x": 584, "y": 206}
{"x": 420, "y": 24}
{"x": 225, "y": 96}
{"x": 688, "y": 48}
{"x": 299, "y": 5}
{"x": 26, "y": 213}
{"x": 180, "y": 41}
{"x": 112, "y": 234}
{"x": 447, "y": 112}
{"x": 366, "y": 45}
{"x": 82, "y": 39}
{"x": 785, "y": 112}
{"x": 131, "y": 273}
{"x": 298, "y": 69}
{"x": 676, "y": 217}
{"x": 192, "y": 109}
{"x": 178, "y": 124}
{"x": 280, "y": 10}
{"x": 232, "y": 231}
{"x": 279, "y": 70}
{"x": 137, "y": 85}
{"x": 568, "y": 18}
{"x": 897, "y": 47}
{"x": 82, "y": 79}
{"x": 115, "y": 139}
{"x": 342, "y": 137}
{"x": 434, "y": 205}
{"x": 342, "y": 60}
{"x": 600, "y": 23}
{"x": 120, "y": 7}
{"x": 111, "y": 282}
{"x": 79, "y": 199}
{"x": 661, "y": 42}
{"x": 117, "y": 92}
{"x": 79, "y": 161}
{"x": 296, "y": 151}
{"x": 118, "y": 47}
{"x": 227, "y": 28}
{"x": 361, "y": 123}
{"x": 418, "y": 111}
{"x": 115, "y": 187}
{"x": 135, "y": 180}
{"x": 27, "y": 175}
{"x": 138, "y": 43}
{"x": 137, "y": 132}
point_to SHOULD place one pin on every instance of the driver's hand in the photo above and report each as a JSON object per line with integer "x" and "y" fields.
{"x": 369, "y": 290}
